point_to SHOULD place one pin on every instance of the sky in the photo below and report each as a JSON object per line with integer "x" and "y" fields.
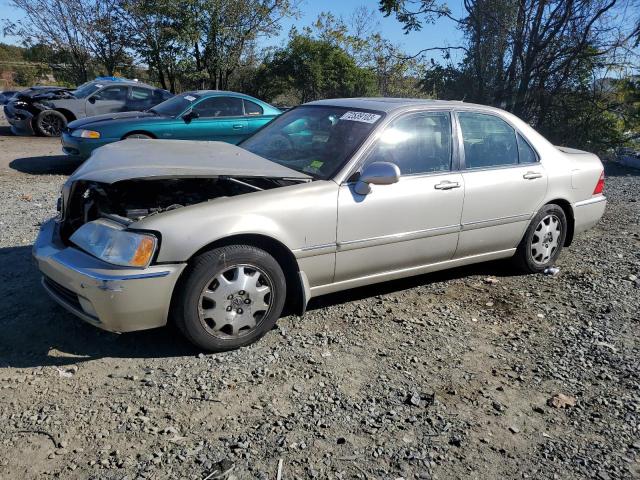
{"x": 443, "y": 33}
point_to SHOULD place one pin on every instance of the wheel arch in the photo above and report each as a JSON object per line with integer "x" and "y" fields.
{"x": 568, "y": 212}
{"x": 295, "y": 302}
{"x": 68, "y": 114}
{"x": 138, "y": 132}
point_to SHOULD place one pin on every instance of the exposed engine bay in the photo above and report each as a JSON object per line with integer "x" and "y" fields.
{"x": 128, "y": 201}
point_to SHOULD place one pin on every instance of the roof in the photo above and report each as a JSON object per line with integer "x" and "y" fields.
{"x": 221, "y": 92}
{"x": 387, "y": 105}
{"x": 123, "y": 81}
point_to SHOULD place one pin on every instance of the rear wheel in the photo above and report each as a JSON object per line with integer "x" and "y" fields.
{"x": 543, "y": 240}
{"x": 50, "y": 123}
{"x": 230, "y": 297}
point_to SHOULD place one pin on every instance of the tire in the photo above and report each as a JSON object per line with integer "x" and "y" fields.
{"x": 138, "y": 135}
{"x": 213, "y": 310}
{"x": 543, "y": 240}
{"x": 50, "y": 123}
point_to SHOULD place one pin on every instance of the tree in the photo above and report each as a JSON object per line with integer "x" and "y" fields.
{"x": 159, "y": 35}
{"x": 315, "y": 69}
{"x": 228, "y": 28}
{"x": 396, "y": 73}
{"x": 58, "y": 23}
{"x": 536, "y": 58}
{"x": 88, "y": 34}
{"x": 107, "y": 34}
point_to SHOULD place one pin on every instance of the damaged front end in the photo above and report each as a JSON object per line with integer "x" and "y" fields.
{"x": 25, "y": 106}
{"x": 97, "y": 259}
{"x": 128, "y": 201}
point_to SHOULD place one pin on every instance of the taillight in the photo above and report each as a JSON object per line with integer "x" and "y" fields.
{"x": 600, "y": 185}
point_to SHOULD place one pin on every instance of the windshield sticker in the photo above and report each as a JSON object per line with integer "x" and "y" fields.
{"x": 99, "y": 85}
{"x": 189, "y": 97}
{"x": 360, "y": 117}
{"x": 316, "y": 164}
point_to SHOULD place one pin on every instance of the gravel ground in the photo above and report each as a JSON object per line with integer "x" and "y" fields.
{"x": 473, "y": 373}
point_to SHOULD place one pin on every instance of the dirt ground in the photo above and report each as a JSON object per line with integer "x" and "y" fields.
{"x": 448, "y": 375}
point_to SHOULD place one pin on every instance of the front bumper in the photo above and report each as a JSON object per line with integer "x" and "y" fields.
{"x": 21, "y": 121}
{"x": 82, "y": 147}
{"x": 109, "y": 297}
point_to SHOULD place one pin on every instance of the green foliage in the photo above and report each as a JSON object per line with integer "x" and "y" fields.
{"x": 539, "y": 60}
{"x": 316, "y": 69}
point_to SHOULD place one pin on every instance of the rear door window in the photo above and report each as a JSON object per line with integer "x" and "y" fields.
{"x": 526, "y": 154}
{"x": 140, "y": 94}
{"x": 489, "y": 141}
{"x": 252, "y": 108}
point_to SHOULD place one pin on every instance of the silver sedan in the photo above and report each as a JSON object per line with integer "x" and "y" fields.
{"x": 334, "y": 194}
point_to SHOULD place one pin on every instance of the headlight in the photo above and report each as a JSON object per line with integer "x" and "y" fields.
{"x": 85, "y": 134}
{"x": 109, "y": 242}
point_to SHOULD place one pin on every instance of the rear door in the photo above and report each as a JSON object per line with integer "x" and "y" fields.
{"x": 109, "y": 99}
{"x": 504, "y": 184}
{"x": 219, "y": 118}
{"x": 140, "y": 99}
{"x": 413, "y": 222}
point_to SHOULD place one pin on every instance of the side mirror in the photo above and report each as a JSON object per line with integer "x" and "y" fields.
{"x": 189, "y": 115}
{"x": 377, "y": 173}
{"x": 92, "y": 99}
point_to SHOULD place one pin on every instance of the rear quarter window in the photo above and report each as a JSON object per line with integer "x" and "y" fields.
{"x": 252, "y": 108}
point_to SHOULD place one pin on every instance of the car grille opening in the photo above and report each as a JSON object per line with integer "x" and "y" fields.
{"x": 63, "y": 293}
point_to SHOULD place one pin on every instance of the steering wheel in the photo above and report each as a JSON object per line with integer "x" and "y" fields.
{"x": 283, "y": 145}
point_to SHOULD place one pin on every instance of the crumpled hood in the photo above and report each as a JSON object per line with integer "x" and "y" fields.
{"x": 99, "y": 120}
{"x": 141, "y": 158}
{"x": 44, "y": 93}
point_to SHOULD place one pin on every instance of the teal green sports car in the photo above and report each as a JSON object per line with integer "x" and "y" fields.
{"x": 201, "y": 115}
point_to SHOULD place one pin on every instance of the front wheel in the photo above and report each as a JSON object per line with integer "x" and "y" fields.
{"x": 138, "y": 135}
{"x": 50, "y": 123}
{"x": 231, "y": 296}
{"x": 543, "y": 240}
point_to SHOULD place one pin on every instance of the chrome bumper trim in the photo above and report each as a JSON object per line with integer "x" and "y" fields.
{"x": 108, "y": 278}
{"x": 590, "y": 201}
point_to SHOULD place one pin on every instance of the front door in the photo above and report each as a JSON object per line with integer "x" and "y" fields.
{"x": 219, "y": 118}
{"x": 504, "y": 184}
{"x": 414, "y": 222}
{"x": 108, "y": 100}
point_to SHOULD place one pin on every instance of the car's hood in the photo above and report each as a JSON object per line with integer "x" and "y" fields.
{"x": 99, "y": 120}
{"x": 44, "y": 93}
{"x": 140, "y": 158}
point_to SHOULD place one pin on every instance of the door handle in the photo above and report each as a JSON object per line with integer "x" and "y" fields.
{"x": 532, "y": 175}
{"x": 238, "y": 126}
{"x": 446, "y": 185}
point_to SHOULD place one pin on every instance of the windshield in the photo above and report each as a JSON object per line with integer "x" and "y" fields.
{"x": 86, "y": 89}
{"x": 316, "y": 140}
{"x": 175, "y": 105}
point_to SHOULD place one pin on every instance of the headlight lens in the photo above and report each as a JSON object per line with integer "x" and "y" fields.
{"x": 85, "y": 134}
{"x": 109, "y": 242}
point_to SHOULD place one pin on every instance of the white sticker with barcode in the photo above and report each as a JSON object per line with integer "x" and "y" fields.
{"x": 360, "y": 117}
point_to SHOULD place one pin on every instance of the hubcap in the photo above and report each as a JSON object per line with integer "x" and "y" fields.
{"x": 544, "y": 243}
{"x": 233, "y": 302}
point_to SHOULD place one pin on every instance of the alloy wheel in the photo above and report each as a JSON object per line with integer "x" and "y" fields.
{"x": 51, "y": 125}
